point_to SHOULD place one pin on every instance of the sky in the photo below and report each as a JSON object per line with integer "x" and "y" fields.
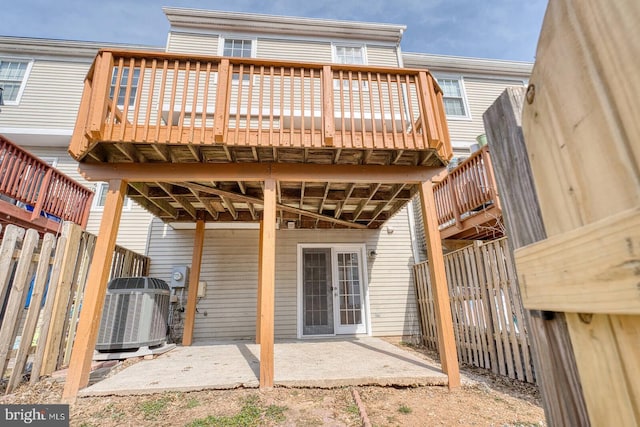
{"x": 498, "y": 29}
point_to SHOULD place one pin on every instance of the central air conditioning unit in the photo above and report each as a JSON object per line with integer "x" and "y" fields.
{"x": 135, "y": 314}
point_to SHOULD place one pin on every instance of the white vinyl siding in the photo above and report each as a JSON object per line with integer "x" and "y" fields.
{"x": 50, "y": 99}
{"x": 382, "y": 56}
{"x": 200, "y": 44}
{"x": 230, "y": 268}
{"x": 134, "y": 224}
{"x": 294, "y": 50}
{"x": 481, "y": 93}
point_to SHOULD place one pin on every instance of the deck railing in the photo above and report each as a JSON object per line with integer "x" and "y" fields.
{"x": 466, "y": 191}
{"x": 151, "y": 97}
{"x": 40, "y": 188}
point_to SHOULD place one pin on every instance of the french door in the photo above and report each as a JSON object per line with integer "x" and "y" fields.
{"x": 332, "y": 289}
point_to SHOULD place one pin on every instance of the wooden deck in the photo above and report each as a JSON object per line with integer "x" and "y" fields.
{"x": 294, "y": 145}
{"x": 467, "y": 200}
{"x": 36, "y": 195}
{"x": 157, "y": 108}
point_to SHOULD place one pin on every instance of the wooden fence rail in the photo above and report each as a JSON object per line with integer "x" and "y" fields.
{"x": 41, "y": 288}
{"x": 487, "y": 313}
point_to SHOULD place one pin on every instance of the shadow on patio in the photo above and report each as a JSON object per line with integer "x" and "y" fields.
{"x": 310, "y": 363}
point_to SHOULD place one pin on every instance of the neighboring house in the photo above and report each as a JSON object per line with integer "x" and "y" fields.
{"x": 470, "y": 86}
{"x": 46, "y": 77}
{"x": 43, "y": 82}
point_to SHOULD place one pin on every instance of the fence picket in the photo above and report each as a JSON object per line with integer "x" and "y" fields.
{"x": 47, "y": 314}
{"x": 486, "y": 309}
{"x": 12, "y": 235}
{"x": 16, "y": 300}
{"x": 29, "y": 329}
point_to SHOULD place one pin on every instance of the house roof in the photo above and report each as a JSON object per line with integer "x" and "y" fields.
{"x": 282, "y": 25}
{"x": 70, "y": 48}
{"x": 467, "y": 65}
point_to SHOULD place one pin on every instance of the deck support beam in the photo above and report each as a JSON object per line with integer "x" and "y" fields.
{"x": 93, "y": 301}
{"x": 194, "y": 281}
{"x": 266, "y": 283}
{"x": 446, "y": 340}
{"x": 259, "y": 308}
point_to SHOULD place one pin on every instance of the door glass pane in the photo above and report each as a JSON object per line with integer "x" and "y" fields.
{"x": 349, "y": 288}
{"x": 317, "y": 292}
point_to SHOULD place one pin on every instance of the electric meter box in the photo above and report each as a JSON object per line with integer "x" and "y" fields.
{"x": 179, "y": 276}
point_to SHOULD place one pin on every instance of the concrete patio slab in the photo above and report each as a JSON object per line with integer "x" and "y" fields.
{"x": 310, "y": 363}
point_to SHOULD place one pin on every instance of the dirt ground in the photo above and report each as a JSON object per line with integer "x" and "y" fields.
{"x": 489, "y": 401}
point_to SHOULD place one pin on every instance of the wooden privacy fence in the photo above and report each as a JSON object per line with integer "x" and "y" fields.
{"x": 42, "y": 282}
{"x": 488, "y": 318}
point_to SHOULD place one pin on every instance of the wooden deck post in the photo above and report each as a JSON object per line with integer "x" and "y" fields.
{"x": 329, "y": 126}
{"x": 93, "y": 303}
{"x": 259, "y": 308}
{"x": 194, "y": 281}
{"x": 222, "y": 99}
{"x": 267, "y": 283}
{"x": 101, "y": 85}
{"x": 446, "y": 340}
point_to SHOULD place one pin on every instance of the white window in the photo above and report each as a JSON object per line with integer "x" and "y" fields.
{"x": 349, "y": 54}
{"x": 239, "y": 48}
{"x": 455, "y": 103}
{"x": 13, "y": 78}
{"x": 101, "y": 196}
{"x": 124, "y": 81}
{"x": 344, "y": 54}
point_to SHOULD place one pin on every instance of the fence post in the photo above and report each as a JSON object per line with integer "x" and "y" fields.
{"x": 73, "y": 233}
{"x": 554, "y": 361}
